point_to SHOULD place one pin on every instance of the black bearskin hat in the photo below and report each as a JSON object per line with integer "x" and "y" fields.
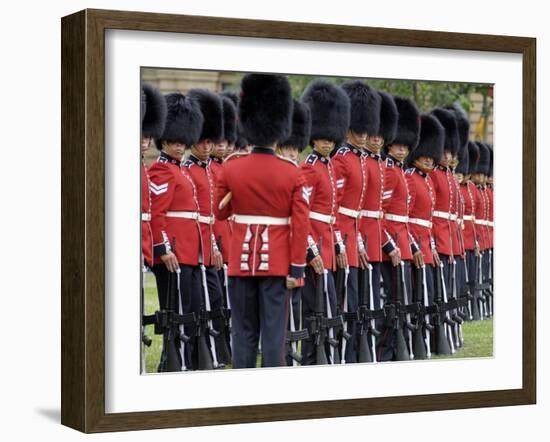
{"x": 184, "y": 120}
{"x": 473, "y": 157}
{"x": 365, "y": 103}
{"x": 484, "y": 159}
{"x": 229, "y": 120}
{"x": 212, "y": 111}
{"x": 265, "y": 108}
{"x": 432, "y": 138}
{"x": 408, "y": 123}
{"x": 301, "y": 127}
{"x": 463, "y": 124}
{"x": 153, "y": 111}
{"x": 448, "y": 120}
{"x": 463, "y": 160}
{"x": 240, "y": 142}
{"x": 388, "y": 118}
{"x": 330, "y": 111}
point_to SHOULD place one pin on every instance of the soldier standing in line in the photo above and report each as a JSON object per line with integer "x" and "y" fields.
{"x": 396, "y": 205}
{"x": 463, "y": 129}
{"x": 267, "y": 198}
{"x": 291, "y": 149}
{"x": 471, "y": 245}
{"x": 330, "y": 110}
{"x": 422, "y": 161}
{"x": 444, "y": 215}
{"x": 349, "y": 162}
{"x": 174, "y": 214}
{"x": 490, "y": 222}
{"x": 380, "y": 244}
{"x": 198, "y": 167}
{"x": 222, "y": 228}
{"x": 482, "y": 216}
{"x": 153, "y": 120}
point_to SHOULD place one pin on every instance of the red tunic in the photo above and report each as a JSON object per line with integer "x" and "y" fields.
{"x": 467, "y": 190}
{"x": 422, "y": 202}
{"x": 146, "y": 232}
{"x": 222, "y": 227}
{"x": 395, "y": 202}
{"x": 443, "y": 232}
{"x": 265, "y": 185}
{"x": 481, "y": 218}
{"x": 490, "y": 199}
{"x": 351, "y": 181}
{"x": 371, "y": 226}
{"x": 320, "y": 178}
{"x": 173, "y": 191}
{"x": 456, "y": 223}
{"x": 204, "y": 182}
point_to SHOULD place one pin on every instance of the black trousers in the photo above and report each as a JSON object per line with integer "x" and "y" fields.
{"x": 295, "y": 301}
{"x": 308, "y": 310}
{"x": 259, "y": 307}
{"x": 352, "y": 345}
{"x": 191, "y": 299}
{"x": 184, "y": 300}
{"x": 386, "y": 345}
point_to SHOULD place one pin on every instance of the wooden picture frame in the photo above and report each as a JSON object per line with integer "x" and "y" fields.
{"x": 83, "y": 219}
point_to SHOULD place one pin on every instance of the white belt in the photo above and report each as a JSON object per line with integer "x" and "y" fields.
{"x": 469, "y": 218}
{"x": 263, "y": 220}
{"x": 444, "y": 215}
{"x": 482, "y": 222}
{"x": 192, "y": 215}
{"x": 328, "y": 219}
{"x": 146, "y": 217}
{"x": 490, "y": 223}
{"x": 349, "y": 212}
{"x": 378, "y": 214}
{"x": 421, "y": 222}
{"x": 396, "y": 218}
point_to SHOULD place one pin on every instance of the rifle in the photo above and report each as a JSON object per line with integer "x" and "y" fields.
{"x": 457, "y": 327}
{"x": 489, "y": 292}
{"x": 208, "y": 358}
{"x": 408, "y": 324}
{"x": 342, "y": 276}
{"x": 332, "y": 322}
{"x": 320, "y": 324}
{"x": 427, "y": 326}
{"x": 402, "y": 353}
{"x": 293, "y": 336}
{"x": 448, "y": 323}
{"x": 146, "y": 341}
{"x": 225, "y": 314}
{"x": 442, "y": 344}
{"x": 480, "y": 297}
{"x": 366, "y": 314}
{"x": 421, "y": 346}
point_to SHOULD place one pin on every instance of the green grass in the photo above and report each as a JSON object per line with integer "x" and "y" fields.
{"x": 478, "y": 335}
{"x": 478, "y": 340}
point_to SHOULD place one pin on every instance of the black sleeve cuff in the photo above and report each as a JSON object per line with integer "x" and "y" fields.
{"x": 159, "y": 250}
{"x": 388, "y": 248}
{"x": 414, "y": 248}
{"x": 297, "y": 271}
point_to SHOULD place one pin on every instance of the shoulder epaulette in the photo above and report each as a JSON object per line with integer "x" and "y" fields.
{"x": 311, "y": 159}
{"x": 343, "y": 150}
{"x": 409, "y": 171}
{"x": 188, "y": 163}
{"x": 287, "y": 159}
{"x": 235, "y": 155}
